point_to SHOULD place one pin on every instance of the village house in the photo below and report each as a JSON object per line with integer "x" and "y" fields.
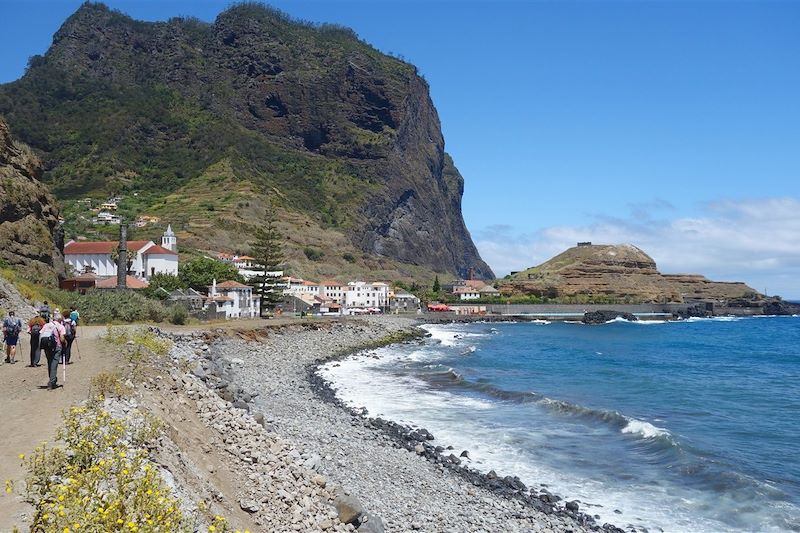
{"x": 189, "y": 298}
{"x": 473, "y": 289}
{"x": 333, "y": 290}
{"x": 235, "y": 299}
{"x": 361, "y": 294}
{"x": 403, "y": 302}
{"x": 106, "y": 218}
{"x": 148, "y": 258}
{"x": 299, "y": 286}
{"x": 466, "y": 293}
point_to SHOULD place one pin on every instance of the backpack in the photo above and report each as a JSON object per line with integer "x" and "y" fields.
{"x": 44, "y": 311}
{"x": 36, "y": 329}
{"x": 47, "y": 342}
{"x": 47, "y": 337}
{"x": 10, "y": 328}
{"x": 69, "y": 327}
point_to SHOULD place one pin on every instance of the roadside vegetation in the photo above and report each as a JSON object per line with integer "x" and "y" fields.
{"x": 98, "y": 306}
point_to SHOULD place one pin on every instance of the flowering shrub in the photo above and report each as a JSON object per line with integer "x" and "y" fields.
{"x": 101, "y": 480}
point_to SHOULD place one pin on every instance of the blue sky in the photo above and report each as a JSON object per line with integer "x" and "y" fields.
{"x": 671, "y": 125}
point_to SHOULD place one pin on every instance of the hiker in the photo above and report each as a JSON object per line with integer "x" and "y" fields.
{"x": 44, "y": 311}
{"x": 51, "y": 339}
{"x": 70, "y": 331}
{"x": 34, "y": 328}
{"x": 74, "y": 314}
{"x": 11, "y": 328}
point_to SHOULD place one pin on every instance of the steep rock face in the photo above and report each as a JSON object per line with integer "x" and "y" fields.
{"x": 620, "y": 272}
{"x": 311, "y": 115}
{"x": 30, "y": 236}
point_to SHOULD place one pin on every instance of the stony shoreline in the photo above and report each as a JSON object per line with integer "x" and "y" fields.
{"x": 393, "y": 472}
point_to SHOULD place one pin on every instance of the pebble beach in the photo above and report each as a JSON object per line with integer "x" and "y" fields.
{"x": 344, "y": 470}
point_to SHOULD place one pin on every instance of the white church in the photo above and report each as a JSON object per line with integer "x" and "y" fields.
{"x": 148, "y": 257}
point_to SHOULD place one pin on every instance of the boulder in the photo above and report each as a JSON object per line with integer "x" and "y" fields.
{"x": 603, "y": 316}
{"x": 371, "y": 524}
{"x": 348, "y": 509}
{"x": 251, "y": 506}
{"x": 572, "y": 506}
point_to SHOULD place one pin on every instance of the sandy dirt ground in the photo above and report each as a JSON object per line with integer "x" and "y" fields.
{"x": 30, "y": 414}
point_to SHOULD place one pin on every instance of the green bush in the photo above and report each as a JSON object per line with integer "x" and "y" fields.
{"x": 313, "y": 254}
{"x": 350, "y": 258}
{"x": 102, "y": 306}
{"x": 178, "y": 315}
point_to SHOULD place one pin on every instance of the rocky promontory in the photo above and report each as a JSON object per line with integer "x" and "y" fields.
{"x": 618, "y": 273}
{"x": 30, "y": 235}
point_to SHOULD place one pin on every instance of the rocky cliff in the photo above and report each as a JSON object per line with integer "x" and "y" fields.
{"x": 30, "y": 236}
{"x": 617, "y": 272}
{"x": 321, "y": 122}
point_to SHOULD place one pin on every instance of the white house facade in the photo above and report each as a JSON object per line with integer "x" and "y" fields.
{"x": 159, "y": 260}
{"x": 298, "y": 287}
{"x": 333, "y": 291}
{"x": 361, "y": 294}
{"x": 236, "y": 299}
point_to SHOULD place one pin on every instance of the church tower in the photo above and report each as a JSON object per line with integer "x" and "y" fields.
{"x": 169, "y": 240}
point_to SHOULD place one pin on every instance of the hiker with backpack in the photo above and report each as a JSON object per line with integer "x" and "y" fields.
{"x": 44, "y": 311}
{"x": 11, "y": 328}
{"x": 70, "y": 331}
{"x": 35, "y": 326}
{"x": 51, "y": 339}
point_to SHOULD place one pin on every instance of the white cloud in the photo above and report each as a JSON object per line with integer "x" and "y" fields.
{"x": 755, "y": 241}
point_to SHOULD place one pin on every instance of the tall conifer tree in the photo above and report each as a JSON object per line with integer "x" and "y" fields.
{"x": 268, "y": 252}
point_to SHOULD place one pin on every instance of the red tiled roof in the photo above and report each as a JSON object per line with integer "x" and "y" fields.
{"x": 130, "y": 281}
{"x": 331, "y": 283}
{"x": 100, "y": 247}
{"x": 309, "y": 283}
{"x": 232, "y": 285}
{"x": 159, "y": 250}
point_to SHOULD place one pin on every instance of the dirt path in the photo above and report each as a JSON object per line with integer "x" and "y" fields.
{"x": 30, "y": 414}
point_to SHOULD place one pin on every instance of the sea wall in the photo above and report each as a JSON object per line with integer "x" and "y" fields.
{"x": 556, "y": 309}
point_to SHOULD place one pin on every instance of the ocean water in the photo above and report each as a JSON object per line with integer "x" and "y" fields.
{"x": 684, "y": 426}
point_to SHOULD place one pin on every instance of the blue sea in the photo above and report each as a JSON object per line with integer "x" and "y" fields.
{"x": 684, "y": 426}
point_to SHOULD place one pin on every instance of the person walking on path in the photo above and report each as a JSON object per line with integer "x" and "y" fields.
{"x": 44, "y": 311}
{"x": 51, "y": 340}
{"x": 74, "y": 315}
{"x": 70, "y": 329}
{"x": 34, "y": 328}
{"x": 11, "y": 329}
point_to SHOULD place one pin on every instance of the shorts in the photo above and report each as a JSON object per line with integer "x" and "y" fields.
{"x": 12, "y": 341}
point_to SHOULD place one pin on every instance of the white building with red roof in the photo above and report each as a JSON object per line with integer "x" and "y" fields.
{"x": 236, "y": 299}
{"x": 361, "y": 294}
{"x": 147, "y": 257}
{"x": 333, "y": 290}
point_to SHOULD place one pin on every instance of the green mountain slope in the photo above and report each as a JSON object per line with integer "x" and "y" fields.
{"x": 342, "y": 137}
